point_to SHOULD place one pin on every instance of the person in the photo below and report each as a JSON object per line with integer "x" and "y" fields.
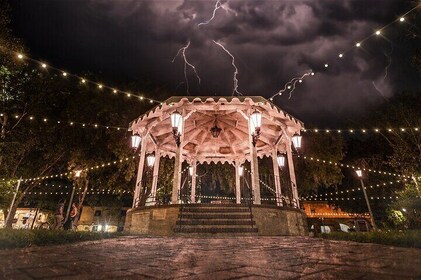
{"x": 58, "y": 223}
{"x": 73, "y": 215}
{"x": 68, "y": 224}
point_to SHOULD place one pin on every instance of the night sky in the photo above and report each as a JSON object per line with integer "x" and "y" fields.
{"x": 132, "y": 41}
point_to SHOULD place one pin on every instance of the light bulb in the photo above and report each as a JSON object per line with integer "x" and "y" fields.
{"x": 20, "y": 56}
{"x": 64, "y": 74}
{"x": 402, "y": 19}
{"x": 326, "y": 65}
{"x": 378, "y": 32}
{"x": 358, "y": 45}
{"x": 341, "y": 55}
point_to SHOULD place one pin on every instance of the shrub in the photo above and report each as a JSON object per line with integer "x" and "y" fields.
{"x": 18, "y": 238}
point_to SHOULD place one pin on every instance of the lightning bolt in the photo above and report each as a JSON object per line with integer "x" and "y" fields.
{"x": 291, "y": 84}
{"x": 218, "y": 5}
{"x": 235, "y": 80}
{"x": 389, "y": 62}
{"x": 186, "y": 63}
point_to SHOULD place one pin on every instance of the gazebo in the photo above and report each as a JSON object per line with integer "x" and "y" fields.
{"x": 216, "y": 129}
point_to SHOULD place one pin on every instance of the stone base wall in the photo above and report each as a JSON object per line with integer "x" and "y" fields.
{"x": 152, "y": 220}
{"x": 270, "y": 220}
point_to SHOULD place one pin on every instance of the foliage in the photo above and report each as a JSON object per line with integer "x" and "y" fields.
{"x": 396, "y": 218}
{"x": 410, "y": 238}
{"x": 18, "y": 238}
{"x": 312, "y": 174}
{"x": 409, "y": 204}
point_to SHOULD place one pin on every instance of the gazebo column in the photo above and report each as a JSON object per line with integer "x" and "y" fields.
{"x": 254, "y": 173}
{"x": 177, "y": 176}
{"x": 193, "y": 182}
{"x": 277, "y": 177}
{"x": 155, "y": 175}
{"x": 139, "y": 181}
{"x": 237, "y": 183}
{"x": 292, "y": 174}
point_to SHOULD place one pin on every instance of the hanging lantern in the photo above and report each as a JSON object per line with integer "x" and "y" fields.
{"x": 150, "y": 159}
{"x": 191, "y": 170}
{"x": 177, "y": 126}
{"x": 241, "y": 170}
{"x": 136, "y": 141}
{"x": 255, "y": 122}
{"x": 176, "y": 122}
{"x": 359, "y": 173}
{"x": 281, "y": 160}
{"x": 296, "y": 140}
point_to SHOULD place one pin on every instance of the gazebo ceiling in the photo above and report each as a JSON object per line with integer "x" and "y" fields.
{"x": 201, "y": 114}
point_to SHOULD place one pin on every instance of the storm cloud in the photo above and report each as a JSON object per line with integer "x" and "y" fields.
{"x": 272, "y": 41}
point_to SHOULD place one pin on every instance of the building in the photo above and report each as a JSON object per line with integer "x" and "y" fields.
{"x": 323, "y": 217}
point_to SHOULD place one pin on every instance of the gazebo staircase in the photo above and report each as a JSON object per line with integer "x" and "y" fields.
{"x": 226, "y": 219}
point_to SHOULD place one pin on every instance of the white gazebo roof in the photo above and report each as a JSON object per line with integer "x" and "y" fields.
{"x": 200, "y": 114}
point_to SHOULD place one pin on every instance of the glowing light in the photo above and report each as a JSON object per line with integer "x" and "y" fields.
{"x": 64, "y": 74}
{"x": 150, "y": 159}
{"x": 45, "y": 66}
{"x": 326, "y": 65}
{"x": 359, "y": 173}
{"x": 128, "y": 94}
{"x": 358, "y": 45}
{"x": 341, "y": 55}
{"x": 300, "y": 81}
{"x": 378, "y": 32}
{"x": 31, "y": 118}
{"x": 83, "y": 81}
{"x": 402, "y": 19}
{"x": 296, "y": 140}
{"x": 78, "y": 173}
{"x": 235, "y": 90}
{"x": 45, "y": 120}
{"x": 99, "y": 86}
{"x": 312, "y": 73}
{"x": 114, "y": 91}
{"x": 191, "y": 170}
{"x": 20, "y": 56}
{"x": 241, "y": 170}
{"x": 281, "y": 160}
{"x": 177, "y": 122}
{"x": 136, "y": 141}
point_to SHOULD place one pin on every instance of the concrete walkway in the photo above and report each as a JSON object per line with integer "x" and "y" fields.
{"x": 212, "y": 258}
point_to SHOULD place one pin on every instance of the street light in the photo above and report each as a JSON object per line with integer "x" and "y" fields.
{"x": 255, "y": 125}
{"x": 296, "y": 141}
{"x": 177, "y": 126}
{"x": 136, "y": 141}
{"x": 281, "y": 160}
{"x": 360, "y": 175}
{"x": 150, "y": 159}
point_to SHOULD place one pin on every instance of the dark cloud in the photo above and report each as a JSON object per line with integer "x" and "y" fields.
{"x": 272, "y": 41}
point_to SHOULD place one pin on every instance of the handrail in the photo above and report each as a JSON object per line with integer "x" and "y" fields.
{"x": 180, "y": 195}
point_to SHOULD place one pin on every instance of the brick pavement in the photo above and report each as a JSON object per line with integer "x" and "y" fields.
{"x": 212, "y": 258}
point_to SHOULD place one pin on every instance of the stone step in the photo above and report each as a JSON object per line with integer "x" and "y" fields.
{"x": 215, "y": 216}
{"x": 214, "y": 210}
{"x": 226, "y": 222}
{"x": 214, "y": 230}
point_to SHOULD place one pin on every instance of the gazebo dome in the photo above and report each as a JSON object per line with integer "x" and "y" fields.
{"x": 227, "y": 116}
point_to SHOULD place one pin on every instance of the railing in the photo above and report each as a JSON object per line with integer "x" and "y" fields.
{"x": 181, "y": 196}
{"x": 250, "y": 201}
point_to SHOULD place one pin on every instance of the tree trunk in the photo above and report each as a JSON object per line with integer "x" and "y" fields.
{"x": 81, "y": 200}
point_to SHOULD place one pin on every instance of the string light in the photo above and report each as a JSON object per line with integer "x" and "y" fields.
{"x": 74, "y": 124}
{"x": 83, "y": 80}
{"x": 362, "y": 130}
{"x": 70, "y": 173}
{"x": 356, "y": 168}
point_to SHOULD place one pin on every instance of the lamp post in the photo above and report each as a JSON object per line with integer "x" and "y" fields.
{"x": 360, "y": 176}
{"x": 77, "y": 176}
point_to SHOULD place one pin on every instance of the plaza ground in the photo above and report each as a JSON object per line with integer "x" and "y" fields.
{"x": 134, "y": 257}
